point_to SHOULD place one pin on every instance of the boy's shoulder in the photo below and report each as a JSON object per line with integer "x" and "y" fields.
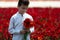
{"x": 14, "y": 15}
{"x": 28, "y": 15}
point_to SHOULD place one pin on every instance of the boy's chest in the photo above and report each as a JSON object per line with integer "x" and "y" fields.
{"x": 18, "y": 21}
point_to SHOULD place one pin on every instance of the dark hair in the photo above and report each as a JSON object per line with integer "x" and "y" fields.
{"x": 23, "y": 2}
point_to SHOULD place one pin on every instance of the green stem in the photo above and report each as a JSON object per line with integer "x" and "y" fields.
{"x": 25, "y": 35}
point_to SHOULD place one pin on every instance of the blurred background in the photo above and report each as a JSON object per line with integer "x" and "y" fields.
{"x": 46, "y": 15}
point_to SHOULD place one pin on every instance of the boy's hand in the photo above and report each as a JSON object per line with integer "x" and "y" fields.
{"x": 22, "y": 31}
{"x": 28, "y": 30}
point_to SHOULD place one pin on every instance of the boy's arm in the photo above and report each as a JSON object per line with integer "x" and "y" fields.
{"x": 11, "y": 28}
{"x": 32, "y": 29}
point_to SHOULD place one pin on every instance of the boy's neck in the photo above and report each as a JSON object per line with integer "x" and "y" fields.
{"x": 21, "y": 13}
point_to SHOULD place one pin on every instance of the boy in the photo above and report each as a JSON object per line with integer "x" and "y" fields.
{"x": 16, "y": 22}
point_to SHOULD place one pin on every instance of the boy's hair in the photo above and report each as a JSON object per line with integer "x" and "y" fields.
{"x": 23, "y": 2}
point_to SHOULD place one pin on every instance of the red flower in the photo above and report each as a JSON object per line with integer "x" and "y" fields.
{"x": 28, "y": 23}
{"x": 40, "y": 37}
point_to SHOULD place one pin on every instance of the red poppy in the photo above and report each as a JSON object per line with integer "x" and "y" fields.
{"x": 28, "y": 23}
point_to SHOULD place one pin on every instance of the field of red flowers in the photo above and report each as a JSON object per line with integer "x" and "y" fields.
{"x": 47, "y": 23}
